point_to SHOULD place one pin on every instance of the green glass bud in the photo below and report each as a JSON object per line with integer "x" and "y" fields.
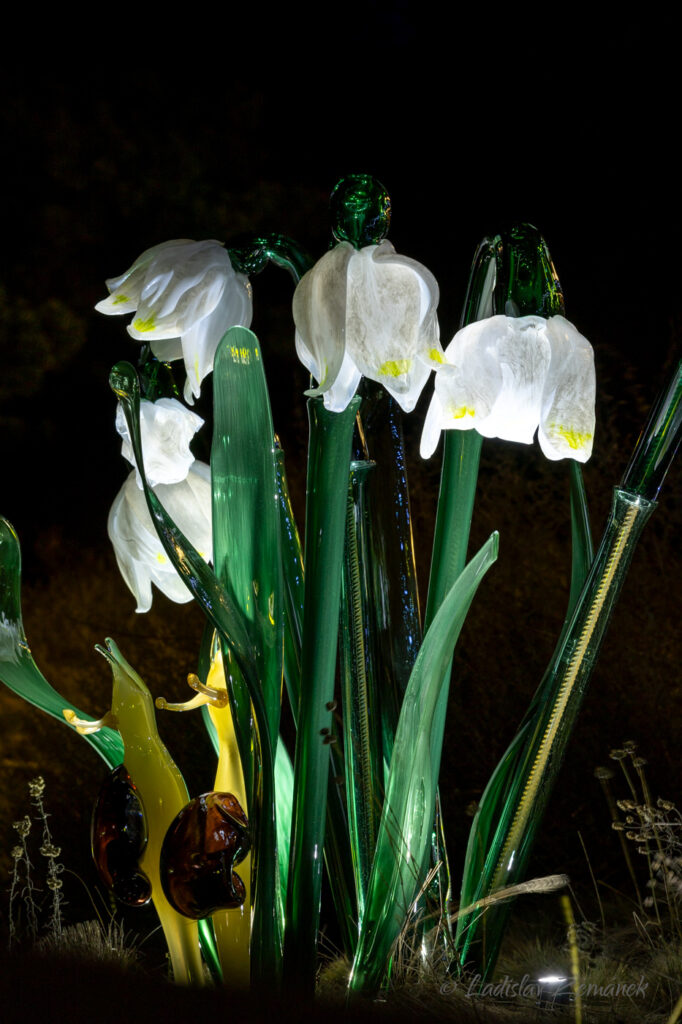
{"x": 513, "y": 274}
{"x": 360, "y": 210}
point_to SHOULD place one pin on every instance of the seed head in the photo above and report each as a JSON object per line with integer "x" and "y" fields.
{"x": 36, "y": 787}
{"x": 23, "y": 827}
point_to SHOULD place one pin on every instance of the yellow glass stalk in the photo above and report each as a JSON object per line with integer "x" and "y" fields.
{"x": 163, "y": 794}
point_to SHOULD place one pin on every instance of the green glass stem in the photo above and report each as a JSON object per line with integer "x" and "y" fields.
{"x": 156, "y": 377}
{"x": 337, "y": 847}
{"x": 328, "y": 468}
{"x": 219, "y": 608}
{"x": 18, "y": 670}
{"x": 284, "y": 252}
{"x": 459, "y": 475}
{"x": 293, "y": 579}
{"x": 582, "y": 551}
{"x": 658, "y": 442}
{"x": 400, "y": 863}
{"x": 513, "y": 803}
{"x": 394, "y": 612}
{"x": 361, "y": 719}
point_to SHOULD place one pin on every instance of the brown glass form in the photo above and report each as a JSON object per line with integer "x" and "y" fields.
{"x": 118, "y": 837}
{"x": 208, "y": 838}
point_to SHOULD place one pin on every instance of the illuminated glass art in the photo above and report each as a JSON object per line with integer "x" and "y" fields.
{"x": 323, "y": 689}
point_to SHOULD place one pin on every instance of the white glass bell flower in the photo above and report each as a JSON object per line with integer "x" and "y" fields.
{"x": 185, "y": 295}
{"x": 167, "y": 428}
{"x": 567, "y": 417}
{"x": 509, "y": 376}
{"x": 139, "y": 552}
{"x": 367, "y": 312}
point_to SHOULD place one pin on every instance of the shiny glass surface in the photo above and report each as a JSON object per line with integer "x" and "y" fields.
{"x": 118, "y": 838}
{"x": 202, "y": 847}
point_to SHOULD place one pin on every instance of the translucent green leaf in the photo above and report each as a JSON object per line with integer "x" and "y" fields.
{"x": 399, "y": 868}
{"x": 246, "y": 523}
{"x": 18, "y": 670}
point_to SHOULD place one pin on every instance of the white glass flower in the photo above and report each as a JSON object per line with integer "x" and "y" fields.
{"x": 167, "y": 428}
{"x": 186, "y": 295}
{"x": 509, "y": 376}
{"x": 139, "y": 552}
{"x": 371, "y": 312}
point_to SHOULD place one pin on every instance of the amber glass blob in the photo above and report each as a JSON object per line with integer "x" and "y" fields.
{"x": 119, "y": 836}
{"x": 208, "y": 838}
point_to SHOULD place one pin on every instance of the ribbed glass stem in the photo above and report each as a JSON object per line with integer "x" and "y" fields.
{"x": 540, "y": 754}
{"x": 362, "y": 746}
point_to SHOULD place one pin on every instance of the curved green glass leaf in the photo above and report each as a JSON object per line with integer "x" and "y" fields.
{"x": 400, "y": 862}
{"x": 18, "y": 670}
{"x": 246, "y": 518}
{"x": 221, "y": 611}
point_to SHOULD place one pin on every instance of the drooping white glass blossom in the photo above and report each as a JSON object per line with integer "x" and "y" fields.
{"x": 167, "y": 428}
{"x": 139, "y": 552}
{"x": 371, "y": 312}
{"x": 509, "y": 376}
{"x": 185, "y": 295}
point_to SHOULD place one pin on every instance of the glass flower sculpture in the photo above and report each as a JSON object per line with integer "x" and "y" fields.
{"x": 185, "y": 295}
{"x": 182, "y": 484}
{"x": 367, "y": 312}
{"x": 510, "y": 376}
{"x": 167, "y": 429}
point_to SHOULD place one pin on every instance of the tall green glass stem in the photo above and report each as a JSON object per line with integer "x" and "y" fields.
{"x": 328, "y": 467}
{"x": 336, "y": 848}
{"x": 395, "y": 617}
{"x": 582, "y": 552}
{"x": 361, "y": 720}
{"x": 541, "y": 752}
{"x": 459, "y": 475}
{"x": 293, "y": 577}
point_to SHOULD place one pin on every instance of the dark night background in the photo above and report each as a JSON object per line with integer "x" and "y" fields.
{"x": 204, "y": 131}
